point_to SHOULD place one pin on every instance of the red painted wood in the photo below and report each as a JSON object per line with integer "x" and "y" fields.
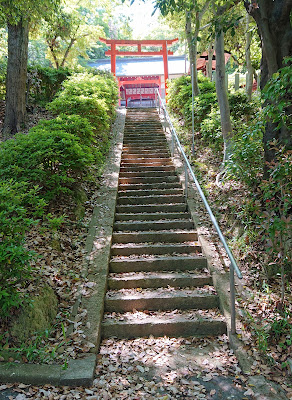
{"x": 138, "y": 53}
{"x": 144, "y": 42}
{"x": 113, "y": 52}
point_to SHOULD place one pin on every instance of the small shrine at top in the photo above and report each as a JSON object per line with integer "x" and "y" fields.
{"x": 137, "y": 86}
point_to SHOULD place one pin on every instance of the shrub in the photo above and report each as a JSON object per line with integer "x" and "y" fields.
{"x": 241, "y": 106}
{"x": 277, "y": 95}
{"x": 19, "y": 208}
{"x": 247, "y": 146}
{"x": 275, "y": 219}
{"x": 180, "y": 99}
{"x": 211, "y": 129}
{"x": 44, "y": 82}
{"x": 92, "y": 108}
{"x": 54, "y": 160}
{"x": 87, "y": 85}
{"x": 73, "y": 124}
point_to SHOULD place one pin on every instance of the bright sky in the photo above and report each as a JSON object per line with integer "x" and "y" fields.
{"x": 140, "y": 12}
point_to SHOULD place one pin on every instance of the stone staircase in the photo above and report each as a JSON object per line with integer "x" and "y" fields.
{"x": 158, "y": 280}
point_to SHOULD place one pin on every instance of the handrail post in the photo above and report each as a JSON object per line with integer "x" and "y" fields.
{"x": 232, "y": 299}
{"x": 186, "y": 180}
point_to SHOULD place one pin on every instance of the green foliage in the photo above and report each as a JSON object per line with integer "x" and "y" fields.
{"x": 207, "y": 116}
{"x": 26, "y": 9}
{"x": 37, "y": 316}
{"x": 47, "y": 163}
{"x": 180, "y": 99}
{"x": 91, "y": 96}
{"x": 247, "y": 146}
{"x": 211, "y": 129}
{"x": 54, "y": 160}
{"x": 3, "y": 68}
{"x": 240, "y": 105}
{"x": 275, "y": 219}
{"x": 20, "y": 205}
{"x": 93, "y": 109}
{"x": 278, "y": 96}
{"x": 73, "y": 124}
{"x": 44, "y": 82}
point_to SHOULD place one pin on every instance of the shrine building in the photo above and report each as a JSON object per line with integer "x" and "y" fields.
{"x": 139, "y": 76}
{"x": 141, "y": 71}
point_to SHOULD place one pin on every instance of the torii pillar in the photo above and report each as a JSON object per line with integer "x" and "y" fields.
{"x": 114, "y": 52}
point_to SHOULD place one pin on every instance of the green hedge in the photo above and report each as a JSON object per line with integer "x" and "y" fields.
{"x": 20, "y": 206}
{"x": 53, "y": 160}
{"x": 44, "y": 82}
{"x": 49, "y": 162}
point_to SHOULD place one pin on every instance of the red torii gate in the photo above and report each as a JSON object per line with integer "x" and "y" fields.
{"x": 114, "y": 52}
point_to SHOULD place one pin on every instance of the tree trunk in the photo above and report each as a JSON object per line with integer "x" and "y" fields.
{"x": 221, "y": 91}
{"x": 15, "y": 111}
{"x": 72, "y": 41}
{"x": 51, "y": 46}
{"x": 273, "y": 21}
{"x": 209, "y": 62}
{"x": 249, "y": 68}
{"x": 192, "y": 45}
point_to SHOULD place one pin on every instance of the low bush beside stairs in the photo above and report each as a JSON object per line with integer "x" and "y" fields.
{"x": 158, "y": 282}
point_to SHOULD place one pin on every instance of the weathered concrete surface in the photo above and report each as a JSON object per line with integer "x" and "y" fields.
{"x": 30, "y": 373}
{"x": 176, "y": 326}
{"x": 100, "y": 237}
{"x": 80, "y": 372}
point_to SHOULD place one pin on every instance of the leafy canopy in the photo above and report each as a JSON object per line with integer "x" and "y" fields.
{"x": 14, "y": 11}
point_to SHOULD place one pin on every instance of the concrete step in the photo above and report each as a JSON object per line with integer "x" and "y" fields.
{"x": 147, "y": 160}
{"x": 158, "y": 199}
{"x": 149, "y": 186}
{"x": 179, "y": 324}
{"x": 158, "y": 263}
{"x": 153, "y": 225}
{"x": 152, "y": 216}
{"x": 134, "y": 174}
{"x": 148, "y": 142}
{"x": 152, "y": 155}
{"x": 145, "y": 152}
{"x": 159, "y": 299}
{"x": 143, "y": 147}
{"x": 147, "y": 164}
{"x": 145, "y": 180}
{"x": 130, "y": 249}
{"x": 133, "y": 168}
{"x": 151, "y": 134}
{"x": 146, "y": 280}
{"x": 153, "y": 192}
{"x": 151, "y": 208}
{"x": 175, "y": 236}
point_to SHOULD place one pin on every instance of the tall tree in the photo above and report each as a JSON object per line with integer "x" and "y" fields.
{"x": 18, "y": 15}
{"x": 274, "y": 26}
{"x": 192, "y": 12}
{"x": 222, "y": 22}
{"x": 69, "y": 33}
{"x": 249, "y": 67}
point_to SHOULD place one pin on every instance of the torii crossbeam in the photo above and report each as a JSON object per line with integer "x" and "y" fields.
{"x": 139, "y": 44}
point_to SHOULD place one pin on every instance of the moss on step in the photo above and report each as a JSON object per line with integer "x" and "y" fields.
{"x": 80, "y": 198}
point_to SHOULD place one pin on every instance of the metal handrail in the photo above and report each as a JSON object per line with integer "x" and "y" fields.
{"x": 188, "y": 169}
